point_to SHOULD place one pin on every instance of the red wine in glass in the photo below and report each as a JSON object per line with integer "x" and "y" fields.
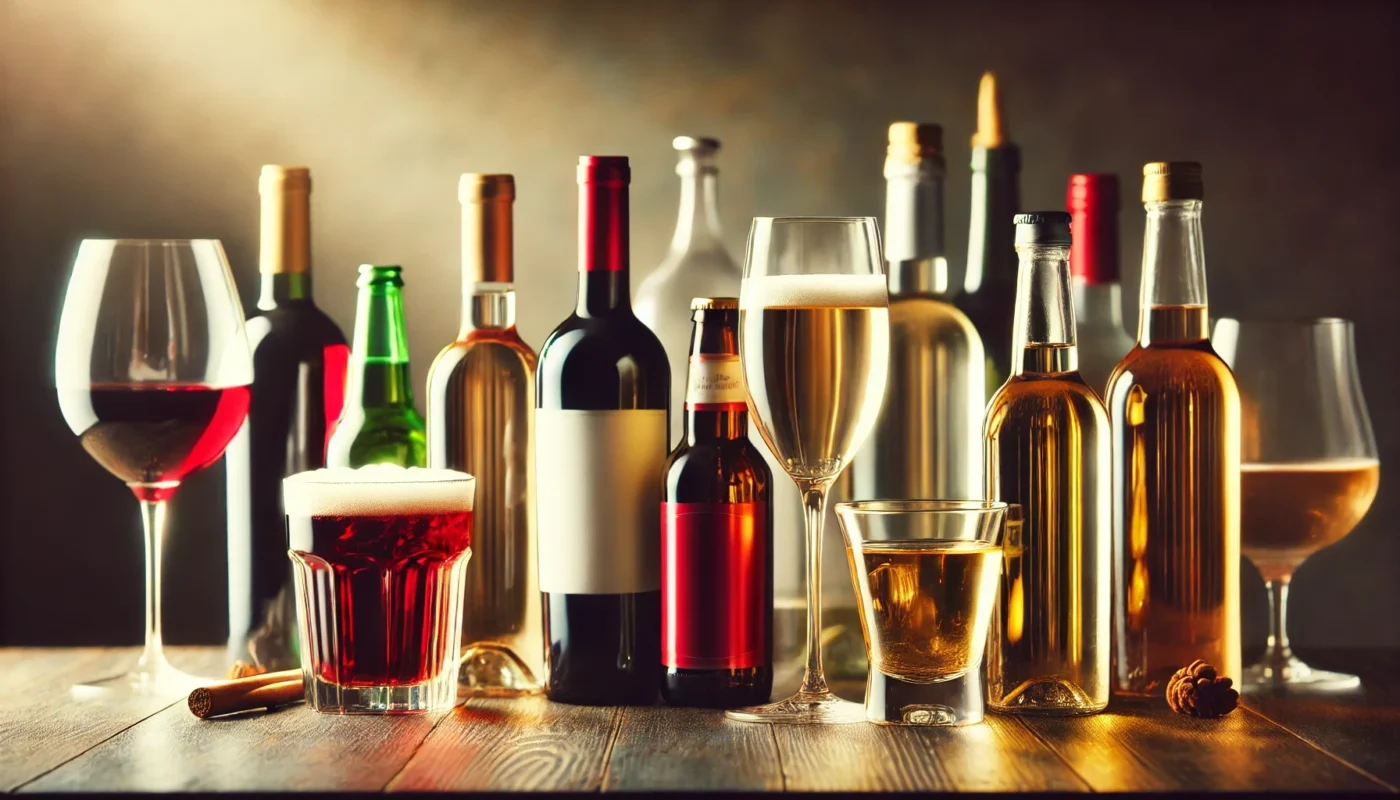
{"x": 152, "y": 435}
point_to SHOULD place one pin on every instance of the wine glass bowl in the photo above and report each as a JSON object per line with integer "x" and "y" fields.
{"x": 1309, "y": 469}
{"x": 814, "y": 345}
{"x": 152, "y": 371}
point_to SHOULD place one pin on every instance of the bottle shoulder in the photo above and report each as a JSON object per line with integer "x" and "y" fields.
{"x": 929, "y": 314}
{"x": 603, "y": 362}
{"x": 500, "y": 349}
{"x": 1191, "y": 368}
{"x": 297, "y": 326}
{"x": 725, "y": 471}
{"x": 1046, "y": 399}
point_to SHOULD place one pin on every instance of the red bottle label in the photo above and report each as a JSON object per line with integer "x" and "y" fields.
{"x": 335, "y": 363}
{"x": 714, "y": 585}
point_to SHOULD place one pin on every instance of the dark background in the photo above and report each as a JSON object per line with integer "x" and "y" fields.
{"x": 152, "y": 117}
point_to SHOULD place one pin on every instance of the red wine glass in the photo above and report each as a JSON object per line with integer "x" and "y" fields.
{"x": 152, "y": 371}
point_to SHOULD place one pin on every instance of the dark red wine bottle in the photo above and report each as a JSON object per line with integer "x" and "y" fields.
{"x": 716, "y": 533}
{"x": 299, "y": 362}
{"x": 602, "y": 392}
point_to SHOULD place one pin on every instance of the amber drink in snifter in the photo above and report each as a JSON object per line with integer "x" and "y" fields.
{"x": 1309, "y": 470}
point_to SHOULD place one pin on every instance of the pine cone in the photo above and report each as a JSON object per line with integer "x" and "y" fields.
{"x": 1197, "y": 691}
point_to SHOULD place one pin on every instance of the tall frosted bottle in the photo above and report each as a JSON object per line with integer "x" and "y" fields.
{"x": 1175, "y": 413}
{"x": 1047, "y": 450}
{"x": 380, "y": 423}
{"x": 716, "y": 532}
{"x": 602, "y": 394}
{"x": 928, "y": 441}
{"x": 299, "y": 361}
{"x": 481, "y": 408}
{"x": 1092, "y": 200}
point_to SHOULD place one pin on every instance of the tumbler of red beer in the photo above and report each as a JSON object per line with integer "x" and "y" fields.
{"x": 380, "y": 553}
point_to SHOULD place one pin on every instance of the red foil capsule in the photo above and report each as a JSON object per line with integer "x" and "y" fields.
{"x": 713, "y": 575}
{"x": 1092, "y": 201}
{"x": 602, "y": 213}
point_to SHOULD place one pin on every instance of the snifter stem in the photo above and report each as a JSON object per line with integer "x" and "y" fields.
{"x": 1278, "y": 652}
{"x": 814, "y": 506}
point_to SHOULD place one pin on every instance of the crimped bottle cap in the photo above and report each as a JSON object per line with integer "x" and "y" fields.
{"x": 1172, "y": 180}
{"x": 1043, "y": 227}
{"x": 912, "y": 142}
{"x": 714, "y": 303}
{"x": 474, "y": 187}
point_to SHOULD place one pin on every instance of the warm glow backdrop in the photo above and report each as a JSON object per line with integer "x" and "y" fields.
{"x": 152, "y": 117}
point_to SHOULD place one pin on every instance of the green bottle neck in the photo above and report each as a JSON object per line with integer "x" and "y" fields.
{"x": 281, "y": 288}
{"x": 379, "y": 375}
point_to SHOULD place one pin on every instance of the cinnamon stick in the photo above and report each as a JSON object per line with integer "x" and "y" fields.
{"x": 244, "y": 694}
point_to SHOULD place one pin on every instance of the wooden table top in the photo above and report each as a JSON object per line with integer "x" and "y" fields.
{"x": 51, "y": 741}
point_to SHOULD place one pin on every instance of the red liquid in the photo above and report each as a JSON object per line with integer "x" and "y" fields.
{"x": 153, "y": 435}
{"x": 378, "y": 593}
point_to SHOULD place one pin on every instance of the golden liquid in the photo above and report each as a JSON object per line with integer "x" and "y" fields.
{"x": 1175, "y": 413}
{"x": 1048, "y": 451}
{"x": 481, "y": 403}
{"x": 1292, "y": 510}
{"x": 816, "y": 377}
{"x": 926, "y": 605}
{"x": 927, "y": 442}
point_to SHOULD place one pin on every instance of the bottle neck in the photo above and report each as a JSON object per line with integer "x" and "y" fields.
{"x": 603, "y": 286}
{"x": 488, "y": 306}
{"x": 379, "y": 372}
{"x": 991, "y": 257}
{"x": 697, "y": 226}
{"x": 715, "y": 407}
{"x": 702, "y": 426}
{"x": 1044, "y": 322}
{"x": 914, "y": 249}
{"x": 280, "y": 288}
{"x": 1173, "y": 307}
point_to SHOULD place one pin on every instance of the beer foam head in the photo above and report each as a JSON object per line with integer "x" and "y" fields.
{"x": 377, "y": 490}
{"x": 799, "y": 291}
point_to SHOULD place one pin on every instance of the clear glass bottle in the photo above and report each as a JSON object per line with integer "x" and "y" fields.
{"x": 1047, "y": 440}
{"x": 1092, "y": 200}
{"x": 1175, "y": 413}
{"x": 928, "y": 443}
{"x": 481, "y": 407}
{"x": 699, "y": 265}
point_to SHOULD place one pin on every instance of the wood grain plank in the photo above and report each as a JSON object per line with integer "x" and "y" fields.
{"x": 519, "y": 744}
{"x": 995, "y": 755}
{"x": 1142, "y": 745}
{"x": 1361, "y": 728}
{"x": 47, "y": 725}
{"x": 664, "y": 748}
{"x": 293, "y": 748}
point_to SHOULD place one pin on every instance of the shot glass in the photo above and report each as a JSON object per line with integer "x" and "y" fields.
{"x": 379, "y": 554}
{"x": 927, "y": 573}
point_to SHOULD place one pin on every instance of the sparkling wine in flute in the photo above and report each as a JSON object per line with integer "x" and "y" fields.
{"x": 1291, "y": 510}
{"x": 816, "y": 353}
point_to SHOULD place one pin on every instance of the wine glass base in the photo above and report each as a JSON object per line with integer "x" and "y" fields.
{"x": 165, "y": 681}
{"x": 803, "y": 708}
{"x": 1293, "y": 676}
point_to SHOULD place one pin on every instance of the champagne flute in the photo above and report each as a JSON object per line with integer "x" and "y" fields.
{"x": 152, "y": 371}
{"x": 814, "y": 343}
{"x": 1308, "y": 465}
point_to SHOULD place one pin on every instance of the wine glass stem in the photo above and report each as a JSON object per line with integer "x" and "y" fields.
{"x": 814, "y": 505}
{"x": 153, "y": 518}
{"x": 1278, "y": 650}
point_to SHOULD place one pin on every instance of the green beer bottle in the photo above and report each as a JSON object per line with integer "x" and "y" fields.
{"x": 380, "y": 424}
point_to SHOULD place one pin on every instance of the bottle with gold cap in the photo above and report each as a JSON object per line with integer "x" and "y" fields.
{"x": 481, "y": 409}
{"x": 299, "y": 363}
{"x": 716, "y": 532}
{"x": 928, "y": 441}
{"x": 989, "y": 281}
{"x": 1175, "y": 414}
